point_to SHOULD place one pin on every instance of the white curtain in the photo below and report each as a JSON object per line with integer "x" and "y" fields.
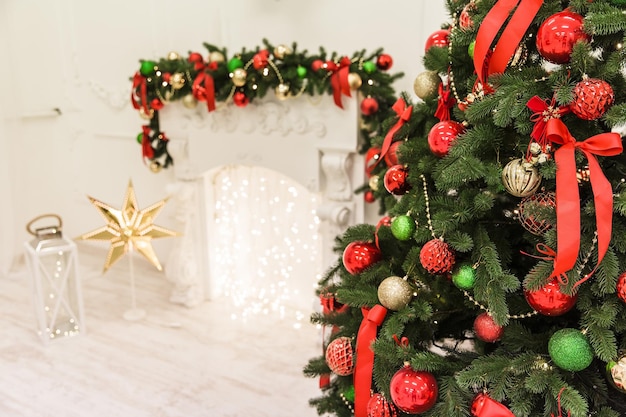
{"x": 264, "y": 243}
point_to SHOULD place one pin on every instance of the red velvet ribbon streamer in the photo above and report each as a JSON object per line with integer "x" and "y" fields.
{"x": 372, "y": 319}
{"x": 146, "y": 146}
{"x": 567, "y": 196}
{"x": 445, "y": 102}
{"x": 339, "y": 81}
{"x": 203, "y": 89}
{"x": 488, "y": 61}
{"x": 139, "y": 82}
{"x": 485, "y": 406}
{"x": 404, "y": 114}
{"x": 543, "y": 110}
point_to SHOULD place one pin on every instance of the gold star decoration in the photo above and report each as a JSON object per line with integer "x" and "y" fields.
{"x": 129, "y": 228}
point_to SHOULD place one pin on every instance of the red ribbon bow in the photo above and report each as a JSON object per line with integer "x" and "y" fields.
{"x": 139, "y": 82}
{"x": 404, "y": 114}
{"x": 445, "y": 102}
{"x": 339, "y": 80}
{"x": 544, "y": 110}
{"x": 372, "y": 318}
{"x": 146, "y": 145}
{"x": 567, "y": 196}
{"x": 203, "y": 89}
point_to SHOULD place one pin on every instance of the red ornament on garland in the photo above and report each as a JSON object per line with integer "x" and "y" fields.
{"x": 369, "y": 197}
{"x": 549, "y": 300}
{"x": 195, "y": 57}
{"x": 156, "y": 104}
{"x": 437, "y": 257}
{"x": 384, "y": 62}
{"x": 378, "y": 406}
{"x": 317, "y": 65}
{"x": 391, "y": 157}
{"x": 372, "y": 156}
{"x": 260, "y": 59}
{"x": 621, "y": 287}
{"x": 592, "y": 98}
{"x": 369, "y": 106}
{"x": 485, "y": 406}
{"x": 442, "y": 135}
{"x": 395, "y": 180}
{"x": 558, "y": 34}
{"x": 439, "y": 39}
{"x": 487, "y": 329}
{"x": 358, "y": 256}
{"x": 240, "y": 99}
{"x": 339, "y": 356}
{"x": 412, "y": 391}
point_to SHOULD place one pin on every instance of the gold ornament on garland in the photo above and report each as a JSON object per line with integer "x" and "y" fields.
{"x": 354, "y": 81}
{"x": 177, "y": 80}
{"x": 216, "y": 56}
{"x": 190, "y": 101}
{"x": 520, "y": 179}
{"x": 282, "y": 91}
{"x": 173, "y": 56}
{"x": 129, "y": 228}
{"x": 281, "y": 51}
{"x": 239, "y": 77}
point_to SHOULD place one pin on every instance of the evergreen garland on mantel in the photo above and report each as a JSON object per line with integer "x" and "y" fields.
{"x": 219, "y": 78}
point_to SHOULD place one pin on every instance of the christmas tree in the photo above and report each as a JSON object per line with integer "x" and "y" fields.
{"x": 494, "y": 283}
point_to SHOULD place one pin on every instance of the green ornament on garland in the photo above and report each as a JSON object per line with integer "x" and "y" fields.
{"x": 570, "y": 350}
{"x": 147, "y": 68}
{"x": 369, "y": 67}
{"x": 464, "y": 277}
{"x": 234, "y": 63}
{"x": 403, "y": 227}
{"x": 140, "y": 138}
{"x": 301, "y": 71}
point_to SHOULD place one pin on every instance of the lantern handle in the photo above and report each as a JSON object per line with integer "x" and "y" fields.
{"x": 30, "y": 230}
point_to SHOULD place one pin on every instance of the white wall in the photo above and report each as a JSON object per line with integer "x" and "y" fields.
{"x": 77, "y": 56}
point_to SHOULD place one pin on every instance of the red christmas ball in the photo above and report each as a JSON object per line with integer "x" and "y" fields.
{"x": 412, "y": 391}
{"x": 534, "y": 203}
{"x": 358, "y": 256}
{"x": 369, "y": 197}
{"x": 156, "y": 104}
{"x": 259, "y": 60}
{"x": 465, "y": 19}
{"x": 378, "y": 406}
{"x": 592, "y": 98}
{"x": 558, "y": 34}
{"x": 437, "y": 257}
{"x": 442, "y": 135}
{"x": 487, "y": 329}
{"x": 384, "y": 62}
{"x": 240, "y": 99}
{"x": 391, "y": 157}
{"x": 485, "y": 406}
{"x": 621, "y": 287}
{"x": 549, "y": 300}
{"x": 195, "y": 57}
{"x": 371, "y": 158}
{"x": 339, "y": 356}
{"x": 439, "y": 38}
{"x": 395, "y": 180}
{"x": 317, "y": 65}
{"x": 369, "y": 106}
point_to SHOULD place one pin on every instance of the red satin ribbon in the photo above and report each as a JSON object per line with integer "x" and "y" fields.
{"x": 549, "y": 255}
{"x": 485, "y": 406}
{"x": 488, "y": 61}
{"x": 544, "y": 110}
{"x": 404, "y": 342}
{"x": 445, "y": 102}
{"x": 146, "y": 146}
{"x": 139, "y": 81}
{"x": 567, "y": 196}
{"x": 569, "y": 413}
{"x": 404, "y": 114}
{"x": 339, "y": 80}
{"x": 372, "y": 318}
{"x": 203, "y": 89}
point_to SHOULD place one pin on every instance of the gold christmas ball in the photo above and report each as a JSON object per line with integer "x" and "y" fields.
{"x": 395, "y": 293}
{"x": 239, "y": 76}
{"x": 146, "y": 115}
{"x": 616, "y": 373}
{"x": 281, "y": 51}
{"x": 373, "y": 183}
{"x": 354, "y": 81}
{"x": 155, "y": 166}
{"x": 426, "y": 84}
{"x": 282, "y": 91}
{"x": 173, "y": 56}
{"x": 177, "y": 80}
{"x": 520, "y": 179}
{"x": 190, "y": 101}
{"x": 216, "y": 56}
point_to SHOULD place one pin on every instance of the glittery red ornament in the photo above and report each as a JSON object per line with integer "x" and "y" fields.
{"x": 339, "y": 356}
{"x": 558, "y": 34}
{"x": 442, "y": 136}
{"x": 592, "y": 98}
{"x": 378, "y": 406}
{"x": 384, "y": 62}
{"x": 371, "y": 158}
{"x": 549, "y": 300}
{"x": 412, "y": 391}
{"x": 260, "y": 59}
{"x": 369, "y": 197}
{"x": 391, "y": 157}
{"x": 537, "y": 203}
{"x": 156, "y": 104}
{"x": 395, "y": 180}
{"x": 487, "y": 329}
{"x": 439, "y": 38}
{"x": 621, "y": 287}
{"x": 369, "y": 106}
{"x": 240, "y": 99}
{"x": 437, "y": 257}
{"x": 465, "y": 19}
{"x": 317, "y": 65}
{"x": 358, "y": 256}
{"x": 485, "y": 406}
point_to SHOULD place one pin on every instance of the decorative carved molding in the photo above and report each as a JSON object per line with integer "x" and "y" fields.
{"x": 337, "y": 166}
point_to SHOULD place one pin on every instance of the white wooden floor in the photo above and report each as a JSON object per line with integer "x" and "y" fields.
{"x": 177, "y": 362}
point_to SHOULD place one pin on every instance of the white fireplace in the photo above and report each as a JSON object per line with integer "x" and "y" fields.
{"x": 261, "y": 193}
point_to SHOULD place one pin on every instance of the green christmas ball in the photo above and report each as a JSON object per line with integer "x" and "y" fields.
{"x": 234, "y": 63}
{"x": 403, "y": 227}
{"x": 369, "y": 67}
{"x": 470, "y": 49}
{"x": 147, "y": 68}
{"x": 348, "y": 393}
{"x": 570, "y": 350}
{"x": 140, "y": 138}
{"x": 301, "y": 71}
{"x": 464, "y": 277}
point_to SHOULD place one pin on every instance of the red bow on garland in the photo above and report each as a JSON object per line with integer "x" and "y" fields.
{"x": 568, "y": 199}
{"x": 445, "y": 102}
{"x": 146, "y": 145}
{"x": 203, "y": 89}
{"x": 339, "y": 79}
{"x": 544, "y": 110}
{"x": 139, "y": 82}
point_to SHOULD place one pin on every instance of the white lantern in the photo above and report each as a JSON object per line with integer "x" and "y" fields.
{"x": 53, "y": 262}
